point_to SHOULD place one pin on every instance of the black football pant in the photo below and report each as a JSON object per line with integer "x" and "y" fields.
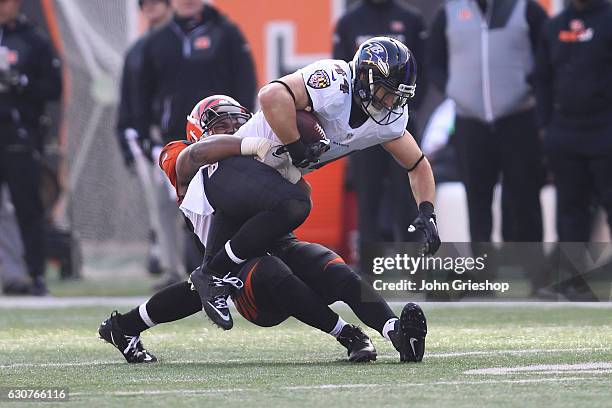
{"x": 255, "y": 195}
{"x": 271, "y": 293}
{"x": 20, "y": 169}
{"x": 581, "y": 160}
{"x": 300, "y": 280}
{"x": 320, "y": 269}
{"x": 509, "y": 148}
{"x": 334, "y": 281}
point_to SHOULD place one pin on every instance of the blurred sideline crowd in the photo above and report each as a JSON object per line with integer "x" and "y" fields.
{"x": 527, "y": 102}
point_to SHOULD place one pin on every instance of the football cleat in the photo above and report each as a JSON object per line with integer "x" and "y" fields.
{"x": 408, "y": 336}
{"x": 213, "y": 293}
{"x": 359, "y": 347}
{"x": 130, "y": 347}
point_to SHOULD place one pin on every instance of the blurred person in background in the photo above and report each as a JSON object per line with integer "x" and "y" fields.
{"x": 574, "y": 77}
{"x": 13, "y": 275}
{"x": 435, "y": 143}
{"x": 30, "y": 75}
{"x": 377, "y": 178}
{"x": 197, "y": 54}
{"x": 156, "y": 13}
{"x": 481, "y": 55}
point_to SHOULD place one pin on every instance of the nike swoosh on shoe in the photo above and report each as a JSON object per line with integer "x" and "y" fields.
{"x": 224, "y": 317}
{"x": 412, "y": 341}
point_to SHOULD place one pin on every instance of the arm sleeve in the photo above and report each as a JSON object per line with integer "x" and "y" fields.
{"x": 536, "y": 18}
{"x": 45, "y": 82}
{"x": 343, "y": 46}
{"x": 544, "y": 77}
{"x": 245, "y": 84}
{"x": 437, "y": 58}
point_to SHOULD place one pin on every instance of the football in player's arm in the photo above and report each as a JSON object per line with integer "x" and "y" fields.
{"x": 377, "y": 84}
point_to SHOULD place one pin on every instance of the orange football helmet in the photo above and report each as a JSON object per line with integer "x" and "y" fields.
{"x": 216, "y": 114}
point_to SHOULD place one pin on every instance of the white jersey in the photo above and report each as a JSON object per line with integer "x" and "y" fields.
{"x": 329, "y": 84}
{"x": 195, "y": 204}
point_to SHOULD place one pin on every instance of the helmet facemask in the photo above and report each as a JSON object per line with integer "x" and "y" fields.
{"x": 384, "y": 102}
{"x": 216, "y": 114}
{"x": 223, "y": 118}
{"x": 385, "y": 76}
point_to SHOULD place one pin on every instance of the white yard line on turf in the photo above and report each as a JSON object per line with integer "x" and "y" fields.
{"x": 50, "y": 301}
{"x": 595, "y": 367}
{"x": 326, "y": 387}
{"x": 314, "y": 360}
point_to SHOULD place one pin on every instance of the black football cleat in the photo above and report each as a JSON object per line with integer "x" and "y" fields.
{"x": 213, "y": 293}
{"x": 408, "y": 336}
{"x": 359, "y": 347}
{"x": 130, "y": 347}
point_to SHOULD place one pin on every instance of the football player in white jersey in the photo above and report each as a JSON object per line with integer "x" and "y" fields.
{"x": 298, "y": 280}
{"x": 359, "y": 104}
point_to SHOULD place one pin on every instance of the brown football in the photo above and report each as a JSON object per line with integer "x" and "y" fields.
{"x": 309, "y": 127}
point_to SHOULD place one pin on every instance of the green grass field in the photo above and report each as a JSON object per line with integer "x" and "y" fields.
{"x": 294, "y": 365}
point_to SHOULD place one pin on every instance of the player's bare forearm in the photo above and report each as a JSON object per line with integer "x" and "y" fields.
{"x": 207, "y": 151}
{"x": 278, "y": 106}
{"x": 407, "y": 153}
{"x": 422, "y": 182}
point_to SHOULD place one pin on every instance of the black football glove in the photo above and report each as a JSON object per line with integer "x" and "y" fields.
{"x": 302, "y": 154}
{"x": 425, "y": 230}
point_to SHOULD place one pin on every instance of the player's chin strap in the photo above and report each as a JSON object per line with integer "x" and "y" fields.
{"x": 417, "y": 163}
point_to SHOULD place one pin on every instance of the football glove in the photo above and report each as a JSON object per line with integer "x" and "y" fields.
{"x": 425, "y": 230}
{"x": 267, "y": 152}
{"x": 302, "y": 154}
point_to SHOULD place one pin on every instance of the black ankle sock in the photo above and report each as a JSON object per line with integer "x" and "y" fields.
{"x": 221, "y": 263}
{"x": 367, "y": 304}
{"x": 345, "y": 285}
{"x": 172, "y": 303}
{"x": 131, "y": 323}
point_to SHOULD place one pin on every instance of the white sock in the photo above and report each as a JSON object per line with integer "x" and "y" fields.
{"x": 390, "y": 325}
{"x": 144, "y": 315}
{"x": 232, "y": 255}
{"x": 338, "y": 328}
